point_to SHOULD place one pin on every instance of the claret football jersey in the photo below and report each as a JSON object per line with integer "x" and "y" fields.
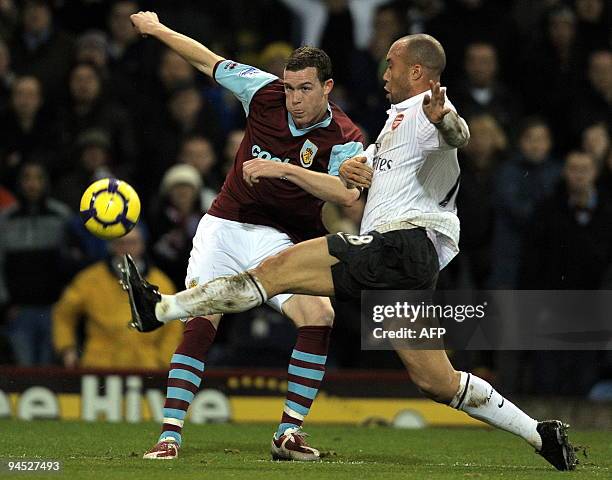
{"x": 271, "y": 134}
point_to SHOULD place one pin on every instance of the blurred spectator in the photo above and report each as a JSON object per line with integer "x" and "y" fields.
{"x": 481, "y": 91}
{"x": 25, "y": 130}
{"x": 93, "y": 163}
{"x": 125, "y": 47}
{"x": 198, "y": 152}
{"x": 475, "y": 202}
{"x": 96, "y": 297}
{"x": 174, "y": 71}
{"x": 421, "y": 12}
{"x": 40, "y": 49}
{"x": 174, "y": 220}
{"x": 232, "y": 144}
{"x": 274, "y": 56}
{"x": 554, "y": 60}
{"x": 186, "y": 114}
{"x": 596, "y": 142}
{"x": 520, "y": 184}
{"x": 88, "y": 109}
{"x": 569, "y": 245}
{"x": 466, "y": 21}
{"x": 9, "y": 18}
{"x": 31, "y": 237}
{"x": 367, "y": 96}
{"x": 7, "y": 76}
{"x": 593, "y": 24}
{"x": 594, "y": 101}
{"x": 92, "y": 47}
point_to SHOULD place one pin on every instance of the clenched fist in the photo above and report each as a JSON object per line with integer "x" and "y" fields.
{"x": 145, "y": 23}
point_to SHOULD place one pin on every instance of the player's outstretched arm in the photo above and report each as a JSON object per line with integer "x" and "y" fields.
{"x": 322, "y": 185}
{"x": 451, "y": 126}
{"x": 147, "y": 23}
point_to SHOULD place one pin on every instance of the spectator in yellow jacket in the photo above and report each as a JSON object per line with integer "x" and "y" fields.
{"x": 96, "y": 296}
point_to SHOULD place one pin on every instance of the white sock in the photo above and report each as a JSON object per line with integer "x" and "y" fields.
{"x": 480, "y": 400}
{"x": 223, "y": 295}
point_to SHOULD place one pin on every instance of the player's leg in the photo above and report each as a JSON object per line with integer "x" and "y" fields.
{"x": 213, "y": 253}
{"x": 314, "y": 317}
{"x": 185, "y": 375}
{"x": 433, "y": 373}
{"x": 304, "y": 268}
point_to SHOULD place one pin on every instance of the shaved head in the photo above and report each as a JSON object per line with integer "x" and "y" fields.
{"x": 425, "y": 50}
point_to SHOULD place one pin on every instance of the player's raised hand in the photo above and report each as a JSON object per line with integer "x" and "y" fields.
{"x": 253, "y": 170}
{"x": 433, "y": 106}
{"x": 145, "y": 23}
{"x": 356, "y": 173}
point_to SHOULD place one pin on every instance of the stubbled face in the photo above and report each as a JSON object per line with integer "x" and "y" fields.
{"x": 305, "y": 96}
{"x": 580, "y": 172}
{"x": 535, "y": 143}
{"x": 397, "y": 75}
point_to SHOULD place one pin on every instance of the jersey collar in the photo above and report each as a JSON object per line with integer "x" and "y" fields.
{"x": 298, "y": 132}
{"x": 408, "y": 102}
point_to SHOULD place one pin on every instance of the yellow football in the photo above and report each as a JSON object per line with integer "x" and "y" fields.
{"x": 110, "y": 208}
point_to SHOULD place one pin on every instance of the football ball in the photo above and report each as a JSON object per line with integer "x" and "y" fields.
{"x": 109, "y": 208}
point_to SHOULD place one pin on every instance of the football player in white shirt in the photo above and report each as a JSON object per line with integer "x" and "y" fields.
{"x": 410, "y": 231}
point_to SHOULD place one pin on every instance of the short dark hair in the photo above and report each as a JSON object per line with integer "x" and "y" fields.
{"x": 425, "y": 50}
{"x": 307, "y": 56}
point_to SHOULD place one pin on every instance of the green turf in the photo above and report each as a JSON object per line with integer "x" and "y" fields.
{"x": 113, "y": 451}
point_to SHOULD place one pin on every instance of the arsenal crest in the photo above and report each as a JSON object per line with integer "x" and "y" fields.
{"x": 398, "y": 119}
{"x": 307, "y": 153}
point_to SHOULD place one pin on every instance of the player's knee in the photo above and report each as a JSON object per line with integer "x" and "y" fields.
{"x": 270, "y": 268}
{"x": 322, "y": 316}
{"x": 309, "y": 311}
{"x": 439, "y": 388}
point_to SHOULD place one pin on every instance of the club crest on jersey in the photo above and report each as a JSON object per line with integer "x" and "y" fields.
{"x": 307, "y": 153}
{"x": 398, "y": 119}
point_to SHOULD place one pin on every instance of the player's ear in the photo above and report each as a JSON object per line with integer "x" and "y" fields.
{"x": 416, "y": 72}
{"x": 328, "y": 85}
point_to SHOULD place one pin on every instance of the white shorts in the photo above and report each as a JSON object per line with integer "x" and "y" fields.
{"x": 223, "y": 247}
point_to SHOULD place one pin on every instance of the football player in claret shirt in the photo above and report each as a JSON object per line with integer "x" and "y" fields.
{"x": 284, "y": 171}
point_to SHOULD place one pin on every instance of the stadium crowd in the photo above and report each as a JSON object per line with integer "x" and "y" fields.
{"x": 83, "y": 97}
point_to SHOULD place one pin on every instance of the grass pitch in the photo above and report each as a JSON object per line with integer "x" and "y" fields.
{"x": 113, "y": 451}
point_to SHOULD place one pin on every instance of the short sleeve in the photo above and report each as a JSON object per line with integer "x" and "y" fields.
{"x": 242, "y": 80}
{"x": 340, "y": 153}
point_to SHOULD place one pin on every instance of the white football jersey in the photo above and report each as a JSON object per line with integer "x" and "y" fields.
{"x": 416, "y": 178}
